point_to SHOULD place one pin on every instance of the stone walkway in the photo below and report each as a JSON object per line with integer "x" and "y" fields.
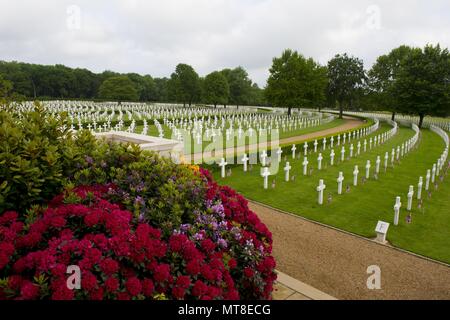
{"x": 288, "y": 288}
{"x": 336, "y": 262}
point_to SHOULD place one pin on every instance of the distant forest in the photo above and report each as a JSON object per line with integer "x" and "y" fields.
{"x": 35, "y": 81}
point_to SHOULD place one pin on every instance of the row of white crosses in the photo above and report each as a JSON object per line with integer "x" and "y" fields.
{"x": 430, "y": 176}
{"x": 368, "y": 166}
{"x": 428, "y": 122}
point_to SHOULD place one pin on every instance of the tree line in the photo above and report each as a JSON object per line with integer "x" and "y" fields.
{"x": 228, "y": 86}
{"x": 407, "y": 80}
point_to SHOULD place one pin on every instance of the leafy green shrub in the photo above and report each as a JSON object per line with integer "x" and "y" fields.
{"x": 31, "y": 145}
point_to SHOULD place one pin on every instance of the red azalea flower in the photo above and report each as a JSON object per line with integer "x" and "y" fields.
{"x": 199, "y": 288}
{"x": 147, "y": 287}
{"x": 111, "y": 284}
{"x": 29, "y": 291}
{"x": 162, "y": 272}
{"x": 133, "y": 286}
{"x": 123, "y": 296}
{"x": 109, "y": 266}
{"x": 208, "y": 245}
{"x": 248, "y": 272}
{"x": 88, "y": 281}
{"x": 232, "y": 263}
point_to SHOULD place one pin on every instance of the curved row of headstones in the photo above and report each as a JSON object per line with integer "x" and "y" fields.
{"x": 396, "y": 154}
{"x": 428, "y": 122}
{"x": 430, "y": 178}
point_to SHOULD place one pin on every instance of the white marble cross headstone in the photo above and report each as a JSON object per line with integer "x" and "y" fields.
{"x": 340, "y": 179}
{"x": 397, "y": 207}
{"x": 305, "y": 166}
{"x": 222, "y": 166}
{"x": 245, "y": 161}
{"x": 410, "y": 198}
{"x": 319, "y": 161}
{"x": 279, "y": 152}
{"x": 293, "y": 151}
{"x": 342, "y": 154}
{"x": 263, "y": 157}
{"x": 315, "y": 145}
{"x": 332, "y": 154}
{"x": 377, "y": 165}
{"x": 265, "y": 174}
{"x": 419, "y": 188}
{"x": 355, "y": 176}
{"x": 287, "y": 168}
{"x": 386, "y": 158}
{"x": 320, "y": 188}
{"x": 427, "y": 180}
{"x": 305, "y": 148}
{"x": 368, "y": 169}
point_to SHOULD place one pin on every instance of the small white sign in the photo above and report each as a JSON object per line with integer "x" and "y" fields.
{"x": 382, "y": 227}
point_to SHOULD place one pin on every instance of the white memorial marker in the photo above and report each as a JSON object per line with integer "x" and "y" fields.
{"x": 342, "y": 154}
{"x": 305, "y": 148}
{"x": 279, "y": 152}
{"x": 263, "y": 158}
{"x": 427, "y": 181}
{"x": 332, "y": 142}
{"x": 368, "y": 169}
{"x": 324, "y": 144}
{"x": 305, "y": 166}
{"x": 245, "y": 161}
{"x": 293, "y": 151}
{"x": 410, "y": 198}
{"x": 355, "y": 176}
{"x": 351, "y": 150}
{"x": 365, "y": 145}
{"x": 381, "y": 231}
{"x": 397, "y": 207}
{"x": 386, "y": 158}
{"x": 315, "y": 145}
{"x": 265, "y": 174}
{"x": 358, "y": 151}
{"x": 392, "y": 156}
{"x": 377, "y": 166}
{"x": 433, "y": 173}
{"x": 332, "y": 154}
{"x": 222, "y": 166}
{"x": 287, "y": 168}
{"x": 319, "y": 161}
{"x": 340, "y": 179}
{"x": 419, "y": 188}
{"x": 320, "y": 189}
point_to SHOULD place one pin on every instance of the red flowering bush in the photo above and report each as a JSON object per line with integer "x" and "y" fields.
{"x": 224, "y": 253}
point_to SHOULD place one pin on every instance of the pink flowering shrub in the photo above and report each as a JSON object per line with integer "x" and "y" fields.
{"x": 223, "y": 252}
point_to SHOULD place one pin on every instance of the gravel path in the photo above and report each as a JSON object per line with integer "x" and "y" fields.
{"x": 336, "y": 262}
{"x": 350, "y": 123}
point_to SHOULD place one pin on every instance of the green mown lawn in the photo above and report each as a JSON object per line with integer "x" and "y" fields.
{"x": 359, "y": 210}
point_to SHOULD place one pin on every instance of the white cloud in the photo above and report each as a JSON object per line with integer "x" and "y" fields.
{"x": 148, "y": 36}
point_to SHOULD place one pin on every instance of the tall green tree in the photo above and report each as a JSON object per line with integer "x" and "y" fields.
{"x": 240, "y": 85}
{"x": 346, "y": 78}
{"x": 422, "y": 86}
{"x": 216, "y": 89}
{"x": 382, "y": 77}
{"x": 295, "y": 81}
{"x": 184, "y": 84}
{"x": 119, "y": 88}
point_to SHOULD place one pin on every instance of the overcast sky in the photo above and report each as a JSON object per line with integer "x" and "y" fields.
{"x": 151, "y": 37}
